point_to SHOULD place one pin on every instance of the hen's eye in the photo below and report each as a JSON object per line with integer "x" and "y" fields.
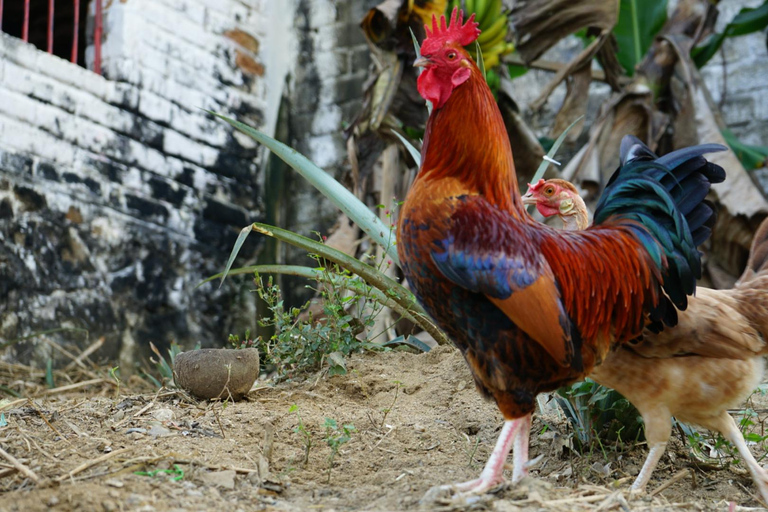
{"x": 451, "y": 55}
{"x": 549, "y": 191}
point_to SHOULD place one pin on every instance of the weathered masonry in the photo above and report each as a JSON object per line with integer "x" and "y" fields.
{"x": 118, "y": 192}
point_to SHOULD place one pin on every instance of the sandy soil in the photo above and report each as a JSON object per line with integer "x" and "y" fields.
{"x": 418, "y": 420}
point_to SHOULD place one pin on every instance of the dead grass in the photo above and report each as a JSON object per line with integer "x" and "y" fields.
{"x": 419, "y": 423}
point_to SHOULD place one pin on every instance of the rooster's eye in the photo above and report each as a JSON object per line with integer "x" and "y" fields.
{"x": 451, "y": 55}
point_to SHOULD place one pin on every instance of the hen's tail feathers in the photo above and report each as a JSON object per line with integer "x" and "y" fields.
{"x": 757, "y": 264}
{"x": 662, "y": 201}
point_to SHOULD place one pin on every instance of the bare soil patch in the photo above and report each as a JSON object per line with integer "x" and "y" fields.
{"x": 418, "y": 420}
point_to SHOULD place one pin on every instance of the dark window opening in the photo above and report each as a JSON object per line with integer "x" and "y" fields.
{"x": 68, "y": 38}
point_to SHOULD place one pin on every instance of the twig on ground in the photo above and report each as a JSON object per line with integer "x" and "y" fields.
{"x": 93, "y": 347}
{"x": 269, "y": 438}
{"x": 91, "y": 463}
{"x": 42, "y": 416}
{"x": 77, "y": 385}
{"x": 19, "y": 466}
{"x": 8, "y": 405}
{"x": 675, "y": 478}
{"x": 32, "y": 440}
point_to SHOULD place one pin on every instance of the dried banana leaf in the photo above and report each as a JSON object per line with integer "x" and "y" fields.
{"x": 540, "y": 24}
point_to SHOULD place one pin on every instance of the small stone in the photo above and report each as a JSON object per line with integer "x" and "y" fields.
{"x": 114, "y": 483}
{"x": 109, "y": 506}
{"x": 164, "y": 415}
{"x": 157, "y": 430}
{"x": 223, "y": 479}
{"x": 53, "y": 501}
{"x": 136, "y": 430}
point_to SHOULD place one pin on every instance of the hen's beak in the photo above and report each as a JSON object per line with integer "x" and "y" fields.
{"x": 421, "y": 62}
{"x": 528, "y": 198}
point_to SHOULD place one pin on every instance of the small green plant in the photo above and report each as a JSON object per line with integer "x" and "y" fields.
{"x": 598, "y": 414}
{"x": 163, "y": 366}
{"x": 305, "y": 434}
{"x": 176, "y": 473}
{"x": 387, "y": 410}
{"x": 335, "y": 437}
{"x": 246, "y": 342}
{"x": 300, "y": 344}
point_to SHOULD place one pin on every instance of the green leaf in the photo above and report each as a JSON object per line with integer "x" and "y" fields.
{"x": 639, "y": 22}
{"x": 551, "y": 155}
{"x": 338, "y": 365}
{"x": 752, "y": 437}
{"x": 49, "y": 374}
{"x": 516, "y": 71}
{"x": 747, "y": 21}
{"x": 345, "y": 200}
{"x": 411, "y": 341}
{"x": 479, "y": 59}
{"x": 382, "y": 297}
{"x": 751, "y": 157}
{"x": 369, "y": 274}
{"x": 415, "y": 154}
{"x": 238, "y": 245}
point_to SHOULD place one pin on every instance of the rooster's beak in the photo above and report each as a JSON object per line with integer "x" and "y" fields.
{"x": 421, "y": 62}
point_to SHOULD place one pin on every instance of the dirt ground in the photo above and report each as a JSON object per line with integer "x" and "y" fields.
{"x": 418, "y": 420}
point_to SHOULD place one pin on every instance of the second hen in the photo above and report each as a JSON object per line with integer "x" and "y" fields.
{"x": 711, "y": 361}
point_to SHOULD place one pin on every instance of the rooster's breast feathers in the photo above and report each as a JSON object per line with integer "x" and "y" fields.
{"x": 559, "y": 288}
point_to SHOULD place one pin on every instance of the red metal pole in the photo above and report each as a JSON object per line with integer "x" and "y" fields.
{"x": 25, "y": 27}
{"x": 76, "y": 30}
{"x": 97, "y": 40}
{"x": 50, "y": 26}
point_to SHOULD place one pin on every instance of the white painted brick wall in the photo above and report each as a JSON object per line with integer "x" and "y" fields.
{"x": 135, "y": 156}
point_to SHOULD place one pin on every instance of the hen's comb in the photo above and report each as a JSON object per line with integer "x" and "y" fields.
{"x": 536, "y": 186}
{"x": 455, "y": 32}
{"x": 553, "y": 181}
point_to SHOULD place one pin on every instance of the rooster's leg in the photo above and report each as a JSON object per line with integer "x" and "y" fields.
{"x": 520, "y": 448}
{"x": 658, "y": 428}
{"x": 725, "y": 424}
{"x": 492, "y": 474}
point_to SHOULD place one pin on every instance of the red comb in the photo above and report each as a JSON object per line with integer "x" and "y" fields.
{"x": 455, "y": 32}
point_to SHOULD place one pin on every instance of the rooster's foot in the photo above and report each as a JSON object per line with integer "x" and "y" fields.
{"x": 467, "y": 493}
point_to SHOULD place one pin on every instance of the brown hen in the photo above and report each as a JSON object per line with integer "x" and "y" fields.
{"x": 711, "y": 361}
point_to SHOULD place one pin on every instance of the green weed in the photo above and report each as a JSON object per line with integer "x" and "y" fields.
{"x": 335, "y": 437}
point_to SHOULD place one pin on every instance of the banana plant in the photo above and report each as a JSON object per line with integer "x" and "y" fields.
{"x": 494, "y": 27}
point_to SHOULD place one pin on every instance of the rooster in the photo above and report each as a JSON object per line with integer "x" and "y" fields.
{"x": 711, "y": 361}
{"x": 522, "y": 302}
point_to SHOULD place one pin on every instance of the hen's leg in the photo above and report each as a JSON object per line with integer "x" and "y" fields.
{"x": 520, "y": 450}
{"x": 658, "y": 428}
{"x": 725, "y": 424}
{"x": 492, "y": 474}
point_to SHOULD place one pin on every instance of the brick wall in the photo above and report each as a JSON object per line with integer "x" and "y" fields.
{"x": 118, "y": 194}
{"x": 325, "y": 92}
{"x": 736, "y": 77}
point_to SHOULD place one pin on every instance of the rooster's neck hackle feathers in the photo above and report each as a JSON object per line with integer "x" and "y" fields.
{"x": 466, "y": 140}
